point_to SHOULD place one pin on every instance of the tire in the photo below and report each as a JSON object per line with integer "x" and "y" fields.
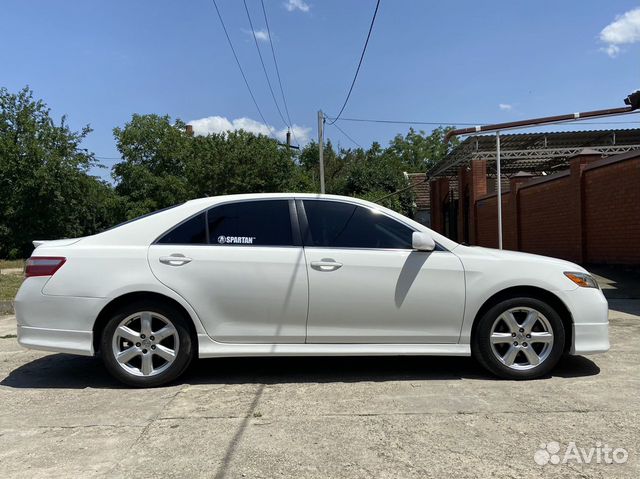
{"x": 147, "y": 344}
{"x": 519, "y": 338}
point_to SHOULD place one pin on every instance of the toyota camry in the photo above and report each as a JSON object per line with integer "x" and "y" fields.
{"x": 300, "y": 275}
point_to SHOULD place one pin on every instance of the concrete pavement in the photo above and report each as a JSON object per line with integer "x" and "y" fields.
{"x": 63, "y": 416}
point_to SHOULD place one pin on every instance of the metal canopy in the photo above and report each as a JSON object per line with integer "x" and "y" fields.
{"x": 535, "y": 152}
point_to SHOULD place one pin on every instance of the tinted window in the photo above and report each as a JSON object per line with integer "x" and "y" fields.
{"x": 257, "y": 223}
{"x": 344, "y": 225}
{"x": 192, "y": 231}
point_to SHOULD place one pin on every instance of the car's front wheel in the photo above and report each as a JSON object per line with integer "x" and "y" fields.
{"x": 520, "y": 338}
{"x": 146, "y": 344}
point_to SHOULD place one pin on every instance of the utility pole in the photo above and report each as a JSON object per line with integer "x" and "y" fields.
{"x": 289, "y": 139}
{"x": 320, "y": 147}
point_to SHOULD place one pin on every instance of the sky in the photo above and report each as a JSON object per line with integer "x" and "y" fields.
{"x": 99, "y": 62}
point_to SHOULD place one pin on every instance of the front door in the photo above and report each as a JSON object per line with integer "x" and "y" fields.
{"x": 367, "y": 285}
{"x": 241, "y": 269}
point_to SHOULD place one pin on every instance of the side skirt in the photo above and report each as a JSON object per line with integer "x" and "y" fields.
{"x": 208, "y": 348}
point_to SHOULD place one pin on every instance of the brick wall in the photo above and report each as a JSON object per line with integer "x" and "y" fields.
{"x": 547, "y": 219}
{"x": 587, "y": 214}
{"x": 612, "y": 212}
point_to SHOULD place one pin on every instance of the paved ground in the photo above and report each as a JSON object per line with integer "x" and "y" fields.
{"x": 62, "y": 416}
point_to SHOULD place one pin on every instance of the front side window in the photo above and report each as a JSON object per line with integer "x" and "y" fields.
{"x": 251, "y": 223}
{"x": 344, "y": 225}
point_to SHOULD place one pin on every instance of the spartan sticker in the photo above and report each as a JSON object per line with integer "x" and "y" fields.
{"x": 222, "y": 239}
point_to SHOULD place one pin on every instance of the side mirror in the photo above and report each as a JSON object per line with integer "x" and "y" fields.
{"x": 422, "y": 241}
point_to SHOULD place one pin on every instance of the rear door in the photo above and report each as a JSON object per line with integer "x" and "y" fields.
{"x": 366, "y": 283}
{"x": 241, "y": 266}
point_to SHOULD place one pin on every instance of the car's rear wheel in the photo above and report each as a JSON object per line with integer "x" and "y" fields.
{"x": 520, "y": 338}
{"x": 146, "y": 344}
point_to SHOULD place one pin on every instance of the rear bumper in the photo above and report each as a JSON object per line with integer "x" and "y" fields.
{"x": 55, "y": 323}
{"x": 58, "y": 340}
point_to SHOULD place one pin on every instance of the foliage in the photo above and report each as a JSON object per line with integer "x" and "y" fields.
{"x": 369, "y": 174}
{"x": 419, "y": 151}
{"x": 163, "y": 166}
{"x": 152, "y": 175}
{"x": 9, "y": 285}
{"x": 45, "y": 189}
{"x": 238, "y": 162}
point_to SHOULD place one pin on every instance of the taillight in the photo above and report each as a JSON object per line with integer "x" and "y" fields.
{"x": 43, "y": 265}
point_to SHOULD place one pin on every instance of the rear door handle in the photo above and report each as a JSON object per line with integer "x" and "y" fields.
{"x": 175, "y": 260}
{"x": 326, "y": 264}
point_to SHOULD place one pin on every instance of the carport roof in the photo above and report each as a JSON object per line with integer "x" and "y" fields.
{"x": 535, "y": 152}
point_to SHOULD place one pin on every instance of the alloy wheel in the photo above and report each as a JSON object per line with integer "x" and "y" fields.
{"x": 145, "y": 343}
{"x": 521, "y": 338}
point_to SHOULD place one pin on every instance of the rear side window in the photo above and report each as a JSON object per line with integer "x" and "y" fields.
{"x": 192, "y": 231}
{"x": 343, "y": 225}
{"x": 251, "y": 223}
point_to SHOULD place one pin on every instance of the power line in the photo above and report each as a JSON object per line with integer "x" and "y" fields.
{"x": 244, "y": 77}
{"x": 439, "y": 123}
{"x": 264, "y": 69}
{"x": 406, "y": 122}
{"x": 345, "y": 134}
{"x": 275, "y": 62}
{"x": 364, "y": 49}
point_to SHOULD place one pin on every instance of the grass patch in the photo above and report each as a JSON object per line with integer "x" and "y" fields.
{"x": 9, "y": 284}
{"x": 11, "y": 263}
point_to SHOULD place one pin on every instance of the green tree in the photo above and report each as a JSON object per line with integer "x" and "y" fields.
{"x": 238, "y": 162}
{"x": 419, "y": 151}
{"x": 309, "y": 164}
{"x": 369, "y": 174}
{"x": 155, "y": 153}
{"x": 45, "y": 189}
{"x": 162, "y": 165}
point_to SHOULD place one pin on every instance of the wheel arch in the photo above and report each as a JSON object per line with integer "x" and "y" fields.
{"x": 531, "y": 292}
{"x": 116, "y": 303}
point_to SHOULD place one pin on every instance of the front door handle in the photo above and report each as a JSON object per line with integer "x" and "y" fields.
{"x": 175, "y": 260}
{"x": 326, "y": 264}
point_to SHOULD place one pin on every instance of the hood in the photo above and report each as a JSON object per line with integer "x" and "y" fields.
{"x": 526, "y": 257}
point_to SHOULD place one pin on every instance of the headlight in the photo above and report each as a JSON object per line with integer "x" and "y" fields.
{"x": 582, "y": 279}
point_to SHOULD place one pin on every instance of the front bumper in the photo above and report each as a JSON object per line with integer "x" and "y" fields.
{"x": 590, "y": 338}
{"x": 590, "y": 313}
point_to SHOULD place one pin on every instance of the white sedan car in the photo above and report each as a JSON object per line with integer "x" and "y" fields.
{"x": 300, "y": 275}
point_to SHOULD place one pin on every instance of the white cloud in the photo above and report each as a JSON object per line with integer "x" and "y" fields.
{"x": 292, "y": 5}
{"x": 221, "y": 124}
{"x": 261, "y": 35}
{"x": 624, "y": 29}
{"x": 505, "y": 106}
{"x": 611, "y": 50}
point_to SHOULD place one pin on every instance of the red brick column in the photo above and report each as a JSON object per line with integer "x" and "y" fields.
{"x": 513, "y": 221}
{"x": 476, "y": 179}
{"x": 439, "y": 190}
{"x": 576, "y": 166}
